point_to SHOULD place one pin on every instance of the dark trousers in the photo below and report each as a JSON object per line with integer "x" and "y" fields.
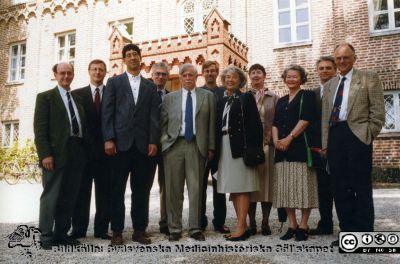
{"x": 350, "y": 163}
{"x": 97, "y": 171}
{"x": 219, "y": 200}
{"x": 325, "y": 198}
{"x": 137, "y": 165}
{"x": 60, "y": 192}
{"x": 158, "y": 160}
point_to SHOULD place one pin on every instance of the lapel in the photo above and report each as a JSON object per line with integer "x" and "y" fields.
{"x": 81, "y": 111}
{"x": 142, "y": 90}
{"x": 60, "y": 104}
{"x": 332, "y": 91}
{"x": 128, "y": 90}
{"x": 355, "y": 86}
{"x": 199, "y": 99}
{"x": 178, "y": 105}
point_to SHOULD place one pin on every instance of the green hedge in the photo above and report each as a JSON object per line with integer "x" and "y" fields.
{"x": 386, "y": 175}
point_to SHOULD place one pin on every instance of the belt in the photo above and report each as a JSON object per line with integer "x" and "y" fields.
{"x": 183, "y": 137}
{"x": 76, "y": 138}
{"x": 225, "y": 132}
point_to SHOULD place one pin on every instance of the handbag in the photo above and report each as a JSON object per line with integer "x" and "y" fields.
{"x": 252, "y": 156}
{"x": 313, "y": 158}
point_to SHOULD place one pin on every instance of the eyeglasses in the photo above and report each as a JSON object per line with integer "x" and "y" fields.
{"x": 158, "y": 74}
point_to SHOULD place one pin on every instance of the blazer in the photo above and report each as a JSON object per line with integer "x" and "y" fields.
{"x": 94, "y": 139}
{"x": 127, "y": 122}
{"x": 51, "y": 125}
{"x": 318, "y": 116}
{"x": 253, "y": 131}
{"x": 365, "y": 110}
{"x": 171, "y": 120}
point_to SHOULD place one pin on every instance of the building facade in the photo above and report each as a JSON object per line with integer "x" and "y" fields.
{"x": 275, "y": 33}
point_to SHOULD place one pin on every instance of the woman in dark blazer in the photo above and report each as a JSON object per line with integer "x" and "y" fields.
{"x": 238, "y": 123}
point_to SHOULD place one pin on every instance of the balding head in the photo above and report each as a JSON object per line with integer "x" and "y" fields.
{"x": 345, "y": 57}
{"x": 64, "y": 74}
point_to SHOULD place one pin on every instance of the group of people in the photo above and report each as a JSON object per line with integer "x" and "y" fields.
{"x": 132, "y": 124}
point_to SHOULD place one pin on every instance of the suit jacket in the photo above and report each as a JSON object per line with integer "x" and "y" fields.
{"x": 52, "y": 126}
{"x": 365, "y": 110}
{"x": 128, "y": 123}
{"x": 270, "y": 100}
{"x": 94, "y": 137}
{"x": 171, "y": 120}
{"x": 252, "y": 123}
{"x": 318, "y": 116}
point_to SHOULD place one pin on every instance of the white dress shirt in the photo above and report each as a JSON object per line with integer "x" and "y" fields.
{"x": 321, "y": 91}
{"x": 184, "y": 96}
{"x": 93, "y": 88}
{"x": 134, "y": 81}
{"x": 345, "y": 99}
{"x": 64, "y": 97}
{"x": 163, "y": 93}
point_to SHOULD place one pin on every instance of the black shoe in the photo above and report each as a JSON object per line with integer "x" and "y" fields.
{"x": 174, "y": 237}
{"x": 335, "y": 243}
{"x": 68, "y": 241}
{"x": 75, "y": 235}
{"x": 266, "y": 230}
{"x": 321, "y": 231}
{"x": 222, "y": 229}
{"x": 104, "y": 236}
{"x": 164, "y": 230}
{"x": 301, "y": 234}
{"x": 198, "y": 236}
{"x": 252, "y": 231}
{"x": 242, "y": 237}
{"x": 46, "y": 245}
{"x": 289, "y": 234}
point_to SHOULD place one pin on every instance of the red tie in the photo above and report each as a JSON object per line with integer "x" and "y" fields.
{"x": 97, "y": 99}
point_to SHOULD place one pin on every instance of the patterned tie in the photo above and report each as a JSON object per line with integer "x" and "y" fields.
{"x": 160, "y": 93}
{"x": 97, "y": 99}
{"x": 189, "y": 118}
{"x": 337, "y": 104}
{"x": 259, "y": 96}
{"x": 75, "y": 126}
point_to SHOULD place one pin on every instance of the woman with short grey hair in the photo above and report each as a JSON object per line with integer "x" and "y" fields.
{"x": 238, "y": 125}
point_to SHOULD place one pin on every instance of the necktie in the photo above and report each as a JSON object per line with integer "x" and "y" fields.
{"x": 75, "y": 126}
{"x": 259, "y": 96}
{"x": 160, "y": 94}
{"x": 97, "y": 99}
{"x": 337, "y": 104}
{"x": 189, "y": 118}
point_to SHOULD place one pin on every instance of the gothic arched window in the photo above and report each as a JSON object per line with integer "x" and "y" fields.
{"x": 193, "y": 14}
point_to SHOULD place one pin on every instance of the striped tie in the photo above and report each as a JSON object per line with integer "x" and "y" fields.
{"x": 75, "y": 126}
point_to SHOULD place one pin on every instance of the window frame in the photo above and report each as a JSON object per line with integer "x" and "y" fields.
{"x": 66, "y": 48}
{"x": 12, "y": 140}
{"x": 119, "y": 22}
{"x": 293, "y": 25}
{"x": 18, "y": 68}
{"x": 391, "y": 28}
{"x": 396, "y": 106}
{"x": 198, "y": 15}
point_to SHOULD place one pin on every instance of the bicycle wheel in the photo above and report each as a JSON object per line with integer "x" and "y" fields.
{"x": 12, "y": 173}
{"x": 33, "y": 173}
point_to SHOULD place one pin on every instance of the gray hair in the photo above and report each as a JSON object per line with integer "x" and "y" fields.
{"x": 160, "y": 65}
{"x": 236, "y": 70}
{"x": 186, "y": 67}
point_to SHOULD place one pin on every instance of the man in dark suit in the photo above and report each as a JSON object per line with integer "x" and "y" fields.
{"x": 210, "y": 71}
{"x": 131, "y": 124}
{"x": 160, "y": 75}
{"x": 97, "y": 168}
{"x": 326, "y": 69}
{"x": 59, "y": 126}
{"x": 353, "y": 114}
{"x": 188, "y": 140}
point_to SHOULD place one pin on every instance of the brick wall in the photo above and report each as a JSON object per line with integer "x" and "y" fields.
{"x": 387, "y": 152}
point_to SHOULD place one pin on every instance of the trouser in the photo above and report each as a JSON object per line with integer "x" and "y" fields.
{"x": 60, "y": 191}
{"x": 136, "y": 164}
{"x": 350, "y": 163}
{"x": 325, "y": 198}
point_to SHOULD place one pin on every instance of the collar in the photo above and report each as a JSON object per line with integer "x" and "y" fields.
{"x": 161, "y": 90}
{"x": 184, "y": 91}
{"x": 62, "y": 90}
{"x": 348, "y": 75}
{"x": 93, "y": 88}
{"x": 135, "y": 78}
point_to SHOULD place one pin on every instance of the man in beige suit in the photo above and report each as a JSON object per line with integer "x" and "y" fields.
{"x": 352, "y": 116}
{"x": 187, "y": 139}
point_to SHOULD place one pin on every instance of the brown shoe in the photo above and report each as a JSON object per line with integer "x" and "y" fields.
{"x": 141, "y": 237}
{"x": 117, "y": 239}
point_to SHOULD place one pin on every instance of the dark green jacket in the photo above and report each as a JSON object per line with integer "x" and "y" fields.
{"x": 52, "y": 127}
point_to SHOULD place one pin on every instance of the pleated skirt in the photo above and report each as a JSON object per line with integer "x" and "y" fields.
{"x": 295, "y": 186}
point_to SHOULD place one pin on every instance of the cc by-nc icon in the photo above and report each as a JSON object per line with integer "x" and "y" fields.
{"x": 349, "y": 242}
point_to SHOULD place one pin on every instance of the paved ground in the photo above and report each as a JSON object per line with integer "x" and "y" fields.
{"x": 19, "y": 205}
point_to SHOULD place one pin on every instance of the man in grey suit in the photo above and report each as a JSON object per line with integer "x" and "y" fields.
{"x": 352, "y": 116}
{"x": 188, "y": 139}
{"x": 130, "y": 124}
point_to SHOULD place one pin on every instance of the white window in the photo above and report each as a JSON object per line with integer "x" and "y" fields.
{"x": 16, "y": 2}
{"x": 66, "y": 47}
{"x": 10, "y": 133}
{"x": 124, "y": 26}
{"x": 292, "y": 19}
{"x": 193, "y": 14}
{"x": 384, "y": 15}
{"x": 17, "y": 62}
{"x": 392, "y": 111}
